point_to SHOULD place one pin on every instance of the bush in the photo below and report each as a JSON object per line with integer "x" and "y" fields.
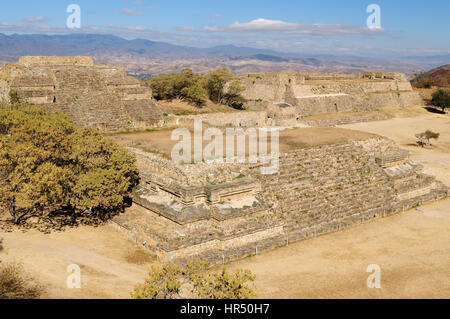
{"x": 58, "y": 173}
{"x": 425, "y": 137}
{"x": 14, "y": 284}
{"x": 195, "y": 280}
{"x": 441, "y": 98}
{"x": 14, "y": 97}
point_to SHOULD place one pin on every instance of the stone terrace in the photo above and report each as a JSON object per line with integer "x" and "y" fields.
{"x": 329, "y": 179}
{"x": 98, "y": 96}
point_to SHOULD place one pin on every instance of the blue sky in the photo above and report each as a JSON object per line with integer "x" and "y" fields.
{"x": 317, "y": 27}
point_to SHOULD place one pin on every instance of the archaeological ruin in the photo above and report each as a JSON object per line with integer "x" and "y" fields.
{"x": 98, "y": 96}
{"x": 220, "y": 212}
{"x": 292, "y": 98}
{"x": 328, "y": 178}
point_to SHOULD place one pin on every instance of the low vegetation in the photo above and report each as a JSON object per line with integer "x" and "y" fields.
{"x": 54, "y": 173}
{"x": 441, "y": 99}
{"x": 426, "y": 81}
{"x": 425, "y": 137}
{"x": 197, "y": 89}
{"x": 15, "y": 284}
{"x": 195, "y": 280}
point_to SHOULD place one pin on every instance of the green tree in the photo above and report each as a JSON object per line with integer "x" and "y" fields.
{"x": 162, "y": 283}
{"x": 195, "y": 280}
{"x": 183, "y": 86}
{"x": 52, "y": 170}
{"x": 441, "y": 98}
{"x": 215, "y": 83}
{"x": 196, "y": 93}
{"x": 233, "y": 96}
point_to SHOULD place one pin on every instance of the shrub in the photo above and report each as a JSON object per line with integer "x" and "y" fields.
{"x": 195, "y": 280}
{"x": 15, "y": 284}
{"x": 425, "y": 137}
{"x": 441, "y": 98}
{"x": 14, "y": 97}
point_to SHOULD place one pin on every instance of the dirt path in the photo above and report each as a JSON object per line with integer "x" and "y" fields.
{"x": 104, "y": 274}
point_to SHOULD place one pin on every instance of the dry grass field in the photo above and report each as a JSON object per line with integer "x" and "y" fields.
{"x": 412, "y": 248}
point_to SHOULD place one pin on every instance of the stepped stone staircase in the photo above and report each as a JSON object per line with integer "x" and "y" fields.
{"x": 97, "y": 96}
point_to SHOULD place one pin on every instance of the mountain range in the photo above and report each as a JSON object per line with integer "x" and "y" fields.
{"x": 147, "y": 57}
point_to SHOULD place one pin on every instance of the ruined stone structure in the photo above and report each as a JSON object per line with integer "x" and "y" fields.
{"x": 98, "y": 96}
{"x": 289, "y": 97}
{"x": 225, "y": 211}
{"x": 221, "y": 212}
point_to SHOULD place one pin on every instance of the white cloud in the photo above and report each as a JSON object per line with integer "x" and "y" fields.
{"x": 39, "y": 19}
{"x": 128, "y": 28}
{"x": 131, "y": 12}
{"x": 185, "y": 28}
{"x": 266, "y": 25}
{"x": 217, "y": 16}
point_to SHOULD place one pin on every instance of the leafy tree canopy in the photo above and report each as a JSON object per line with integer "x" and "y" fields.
{"x": 195, "y": 280}
{"x": 196, "y": 88}
{"x": 52, "y": 170}
{"x": 441, "y": 98}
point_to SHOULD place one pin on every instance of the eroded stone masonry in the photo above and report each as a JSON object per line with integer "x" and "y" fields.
{"x": 222, "y": 212}
{"x": 290, "y": 97}
{"x": 98, "y": 96}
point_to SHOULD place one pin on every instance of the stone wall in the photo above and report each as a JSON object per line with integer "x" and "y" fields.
{"x": 310, "y": 93}
{"x": 97, "y": 96}
{"x": 236, "y": 119}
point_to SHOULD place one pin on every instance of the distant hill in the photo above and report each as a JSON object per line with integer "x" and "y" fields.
{"x": 89, "y": 44}
{"x": 440, "y": 71}
{"x": 148, "y": 58}
{"x": 436, "y": 77}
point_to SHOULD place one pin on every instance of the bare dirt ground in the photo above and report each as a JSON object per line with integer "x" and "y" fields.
{"x": 110, "y": 264}
{"x": 412, "y": 248}
{"x": 161, "y": 143}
